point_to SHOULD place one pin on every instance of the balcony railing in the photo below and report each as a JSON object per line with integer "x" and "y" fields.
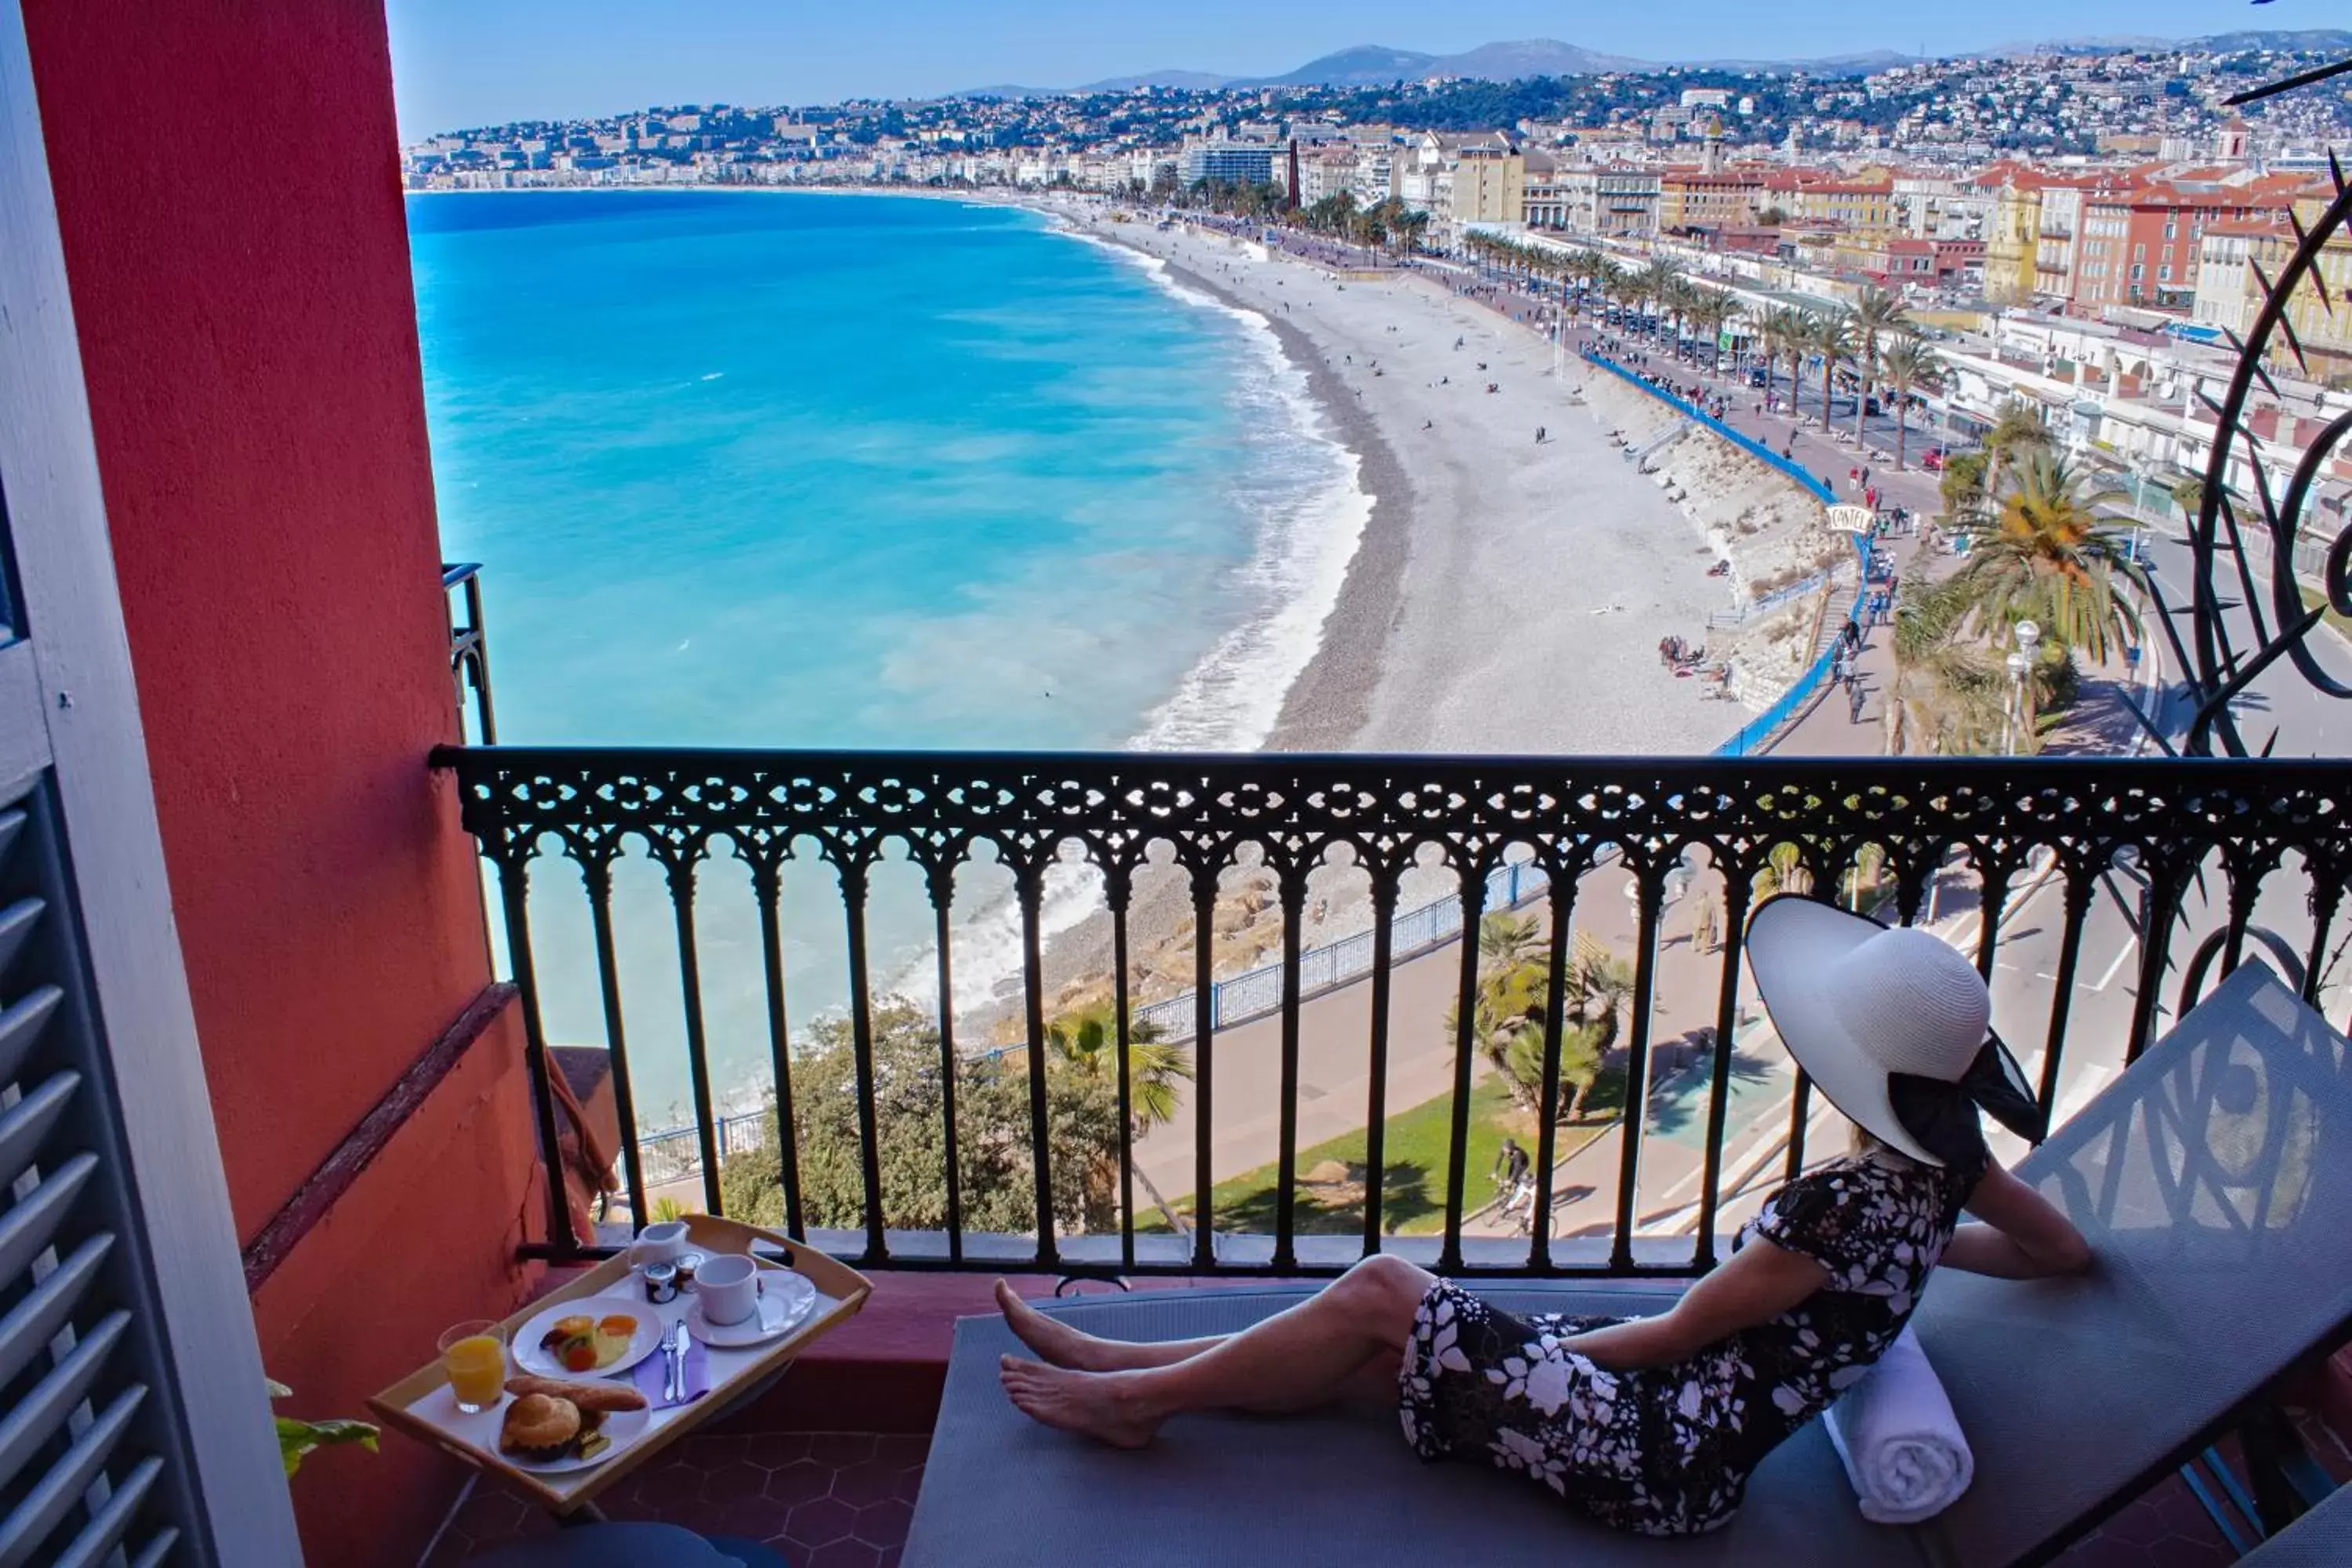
{"x": 2113, "y": 891}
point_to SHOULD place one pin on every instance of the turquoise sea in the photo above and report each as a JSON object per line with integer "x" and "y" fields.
{"x": 762, "y": 469}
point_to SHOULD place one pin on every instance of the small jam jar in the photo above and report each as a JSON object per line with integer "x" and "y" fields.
{"x": 687, "y": 1264}
{"x": 661, "y": 1282}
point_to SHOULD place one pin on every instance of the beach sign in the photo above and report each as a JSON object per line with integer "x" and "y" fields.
{"x": 1850, "y": 519}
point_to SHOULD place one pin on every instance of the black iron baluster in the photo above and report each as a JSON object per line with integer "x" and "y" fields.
{"x": 1117, "y": 886}
{"x": 1563, "y": 911}
{"x": 1204, "y": 998}
{"x": 852, "y": 868}
{"x": 514, "y": 883}
{"x": 1727, "y": 1025}
{"x": 1995, "y": 872}
{"x": 940, "y": 881}
{"x": 2163, "y": 906}
{"x": 1800, "y": 1109}
{"x": 1376, "y": 1111}
{"x": 1032, "y": 889}
{"x": 1637, "y": 1065}
{"x": 2327, "y": 894}
{"x": 2244, "y": 887}
{"x": 1466, "y": 1019}
{"x": 1293, "y": 890}
{"x": 596, "y": 875}
{"x": 768, "y": 887}
{"x": 679, "y": 859}
{"x": 2080, "y": 891}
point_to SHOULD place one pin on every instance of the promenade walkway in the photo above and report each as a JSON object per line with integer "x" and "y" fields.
{"x": 1334, "y": 1079}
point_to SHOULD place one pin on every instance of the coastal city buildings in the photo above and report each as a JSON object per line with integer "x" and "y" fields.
{"x": 2088, "y": 225}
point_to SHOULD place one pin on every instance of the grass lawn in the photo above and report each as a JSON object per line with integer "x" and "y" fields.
{"x": 1412, "y": 1187}
{"x": 2312, "y": 597}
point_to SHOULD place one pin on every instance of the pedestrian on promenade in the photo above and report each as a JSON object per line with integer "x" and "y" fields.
{"x": 1854, "y": 698}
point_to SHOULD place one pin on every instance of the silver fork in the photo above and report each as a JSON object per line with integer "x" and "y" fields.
{"x": 673, "y": 1343}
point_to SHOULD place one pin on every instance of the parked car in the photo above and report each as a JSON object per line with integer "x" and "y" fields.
{"x": 1932, "y": 460}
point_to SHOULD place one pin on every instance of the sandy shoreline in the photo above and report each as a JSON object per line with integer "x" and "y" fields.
{"x": 1506, "y": 595}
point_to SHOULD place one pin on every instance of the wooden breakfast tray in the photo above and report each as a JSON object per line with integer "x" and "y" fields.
{"x": 420, "y": 1403}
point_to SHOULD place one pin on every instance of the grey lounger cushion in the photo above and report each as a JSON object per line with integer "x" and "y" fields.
{"x": 2320, "y": 1539}
{"x": 2215, "y": 1178}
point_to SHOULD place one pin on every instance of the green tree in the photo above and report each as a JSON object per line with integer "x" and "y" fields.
{"x": 1877, "y": 315}
{"x": 2188, "y": 494}
{"x": 2047, "y": 556}
{"x": 1513, "y": 1006}
{"x": 1087, "y": 1041}
{"x": 992, "y": 1143}
{"x": 2017, "y": 431}
{"x": 1910, "y": 365}
{"x": 1829, "y": 335}
{"x": 1962, "y": 485}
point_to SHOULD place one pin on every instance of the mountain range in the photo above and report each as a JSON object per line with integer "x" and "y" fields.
{"x": 1376, "y": 65}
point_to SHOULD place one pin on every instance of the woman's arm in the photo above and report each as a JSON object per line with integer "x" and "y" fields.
{"x": 2024, "y": 1237}
{"x": 1758, "y": 1283}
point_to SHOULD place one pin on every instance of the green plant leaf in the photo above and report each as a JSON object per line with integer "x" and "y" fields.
{"x": 296, "y": 1439}
{"x": 277, "y": 1390}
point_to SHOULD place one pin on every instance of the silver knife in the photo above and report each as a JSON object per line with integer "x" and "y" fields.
{"x": 685, "y": 1343}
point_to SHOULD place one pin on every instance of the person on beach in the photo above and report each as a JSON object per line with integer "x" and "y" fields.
{"x": 1653, "y": 1425}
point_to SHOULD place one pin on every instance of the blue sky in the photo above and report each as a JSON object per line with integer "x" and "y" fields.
{"x": 472, "y": 62}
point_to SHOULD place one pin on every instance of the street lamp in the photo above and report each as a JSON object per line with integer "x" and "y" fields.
{"x": 2020, "y": 667}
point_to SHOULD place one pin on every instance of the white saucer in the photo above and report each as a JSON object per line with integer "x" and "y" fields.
{"x": 785, "y": 1306}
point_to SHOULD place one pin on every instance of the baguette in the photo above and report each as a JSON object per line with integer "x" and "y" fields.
{"x": 598, "y": 1396}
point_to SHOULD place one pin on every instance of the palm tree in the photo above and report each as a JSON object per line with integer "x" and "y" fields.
{"x": 1087, "y": 1041}
{"x": 1876, "y": 313}
{"x": 1659, "y": 280}
{"x": 1831, "y": 337}
{"x": 2046, "y": 555}
{"x": 1783, "y": 333}
{"x": 2188, "y": 494}
{"x": 1963, "y": 485}
{"x": 1948, "y": 696}
{"x": 1908, "y": 364}
{"x": 2018, "y": 429}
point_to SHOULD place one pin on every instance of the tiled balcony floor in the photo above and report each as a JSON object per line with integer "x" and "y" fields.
{"x": 823, "y": 1499}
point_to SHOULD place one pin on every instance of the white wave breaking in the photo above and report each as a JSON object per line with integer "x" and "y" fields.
{"x": 1306, "y": 485}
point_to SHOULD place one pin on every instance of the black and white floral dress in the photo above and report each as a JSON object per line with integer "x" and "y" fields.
{"x": 1667, "y": 1450}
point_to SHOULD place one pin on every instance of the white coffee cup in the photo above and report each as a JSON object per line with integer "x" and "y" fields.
{"x": 660, "y": 1242}
{"x": 729, "y": 1287}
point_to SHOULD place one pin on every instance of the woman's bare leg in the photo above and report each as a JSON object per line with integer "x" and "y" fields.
{"x": 1343, "y": 1340}
{"x": 1061, "y": 1345}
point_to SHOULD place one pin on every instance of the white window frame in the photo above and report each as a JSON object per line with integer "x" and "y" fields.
{"x": 99, "y": 749}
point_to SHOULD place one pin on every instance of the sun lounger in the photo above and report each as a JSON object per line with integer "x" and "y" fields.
{"x": 2214, "y": 1178}
{"x": 2320, "y": 1539}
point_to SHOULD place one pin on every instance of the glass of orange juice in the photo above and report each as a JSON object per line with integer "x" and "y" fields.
{"x": 474, "y": 1354}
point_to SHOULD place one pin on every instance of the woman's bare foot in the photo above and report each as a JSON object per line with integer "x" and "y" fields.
{"x": 1092, "y": 1404}
{"x": 1058, "y": 1343}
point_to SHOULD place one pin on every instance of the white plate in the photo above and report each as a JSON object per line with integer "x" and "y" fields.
{"x": 623, "y": 1426}
{"x": 529, "y": 1358}
{"x": 785, "y": 1306}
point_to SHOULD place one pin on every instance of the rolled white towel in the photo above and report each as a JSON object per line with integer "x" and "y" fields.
{"x": 1902, "y": 1445}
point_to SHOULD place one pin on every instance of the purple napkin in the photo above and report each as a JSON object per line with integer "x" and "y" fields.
{"x": 651, "y": 1373}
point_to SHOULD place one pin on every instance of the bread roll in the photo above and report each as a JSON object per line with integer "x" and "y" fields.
{"x": 588, "y": 1395}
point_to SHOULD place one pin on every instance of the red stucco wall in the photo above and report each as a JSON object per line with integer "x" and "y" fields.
{"x": 226, "y": 184}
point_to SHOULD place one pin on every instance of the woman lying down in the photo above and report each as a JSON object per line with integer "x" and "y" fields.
{"x": 1654, "y": 1425}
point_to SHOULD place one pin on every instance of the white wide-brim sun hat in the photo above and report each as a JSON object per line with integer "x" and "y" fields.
{"x": 1857, "y": 1003}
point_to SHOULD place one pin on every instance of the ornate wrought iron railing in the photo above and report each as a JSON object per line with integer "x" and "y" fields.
{"x": 2184, "y": 866}
{"x": 469, "y": 647}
